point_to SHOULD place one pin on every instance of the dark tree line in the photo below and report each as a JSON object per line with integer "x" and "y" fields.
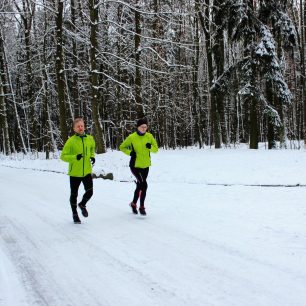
{"x": 204, "y": 72}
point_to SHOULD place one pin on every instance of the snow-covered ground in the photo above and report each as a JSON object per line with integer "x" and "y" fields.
{"x": 201, "y": 244}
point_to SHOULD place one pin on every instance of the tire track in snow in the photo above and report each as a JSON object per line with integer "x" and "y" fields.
{"x": 41, "y": 290}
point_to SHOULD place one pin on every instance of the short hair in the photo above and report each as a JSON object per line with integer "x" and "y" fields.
{"x": 76, "y": 120}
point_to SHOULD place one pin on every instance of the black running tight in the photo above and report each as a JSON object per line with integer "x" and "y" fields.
{"x": 74, "y": 187}
{"x": 141, "y": 175}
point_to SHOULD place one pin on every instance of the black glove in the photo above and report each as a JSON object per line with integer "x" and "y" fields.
{"x": 148, "y": 145}
{"x": 79, "y": 156}
{"x": 133, "y": 154}
{"x": 92, "y": 160}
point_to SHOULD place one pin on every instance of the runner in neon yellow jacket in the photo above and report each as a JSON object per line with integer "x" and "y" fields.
{"x": 79, "y": 144}
{"x": 79, "y": 152}
{"x": 139, "y": 145}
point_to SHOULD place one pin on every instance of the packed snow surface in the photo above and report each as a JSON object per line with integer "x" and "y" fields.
{"x": 215, "y": 233}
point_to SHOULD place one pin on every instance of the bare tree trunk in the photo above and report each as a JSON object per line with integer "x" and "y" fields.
{"x": 3, "y": 120}
{"x": 253, "y": 124}
{"x": 302, "y": 54}
{"x": 253, "y": 106}
{"x": 74, "y": 89}
{"x": 138, "y": 89}
{"x": 48, "y": 137}
{"x": 23, "y": 146}
{"x": 27, "y": 16}
{"x": 94, "y": 20}
{"x": 3, "y": 94}
{"x": 205, "y": 24}
{"x": 282, "y": 132}
{"x": 197, "y": 101}
{"x": 217, "y": 99}
{"x": 60, "y": 71}
{"x": 271, "y": 125}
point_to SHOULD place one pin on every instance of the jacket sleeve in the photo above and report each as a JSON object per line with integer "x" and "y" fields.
{"x": 93, "y": 148}
{"x": 66, "y": 153}
{"x": 125, "y": 147}
{"x": 154, "y": 146}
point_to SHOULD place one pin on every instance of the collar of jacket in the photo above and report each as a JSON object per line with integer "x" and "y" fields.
{"x": 140, "y": 134}
{"x": 84, "y": 135}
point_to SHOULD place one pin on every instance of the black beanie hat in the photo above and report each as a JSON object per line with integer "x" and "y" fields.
{"x": 142, "y": 121}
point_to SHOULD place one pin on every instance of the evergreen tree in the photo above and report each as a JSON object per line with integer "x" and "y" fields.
{"x": 260, "y": 76}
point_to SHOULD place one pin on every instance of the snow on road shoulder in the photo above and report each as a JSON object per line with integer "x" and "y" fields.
{"x": 238, "y": 166}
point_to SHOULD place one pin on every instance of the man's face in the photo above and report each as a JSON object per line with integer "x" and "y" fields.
{"x": 79, "y": 127}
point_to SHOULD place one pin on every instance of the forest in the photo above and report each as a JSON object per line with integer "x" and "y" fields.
{"x": 211, "y": 73}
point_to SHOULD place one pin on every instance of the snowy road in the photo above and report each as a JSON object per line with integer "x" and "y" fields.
{"x": 199, "y": 245}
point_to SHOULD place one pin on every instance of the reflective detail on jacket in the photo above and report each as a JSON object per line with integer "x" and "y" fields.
{"x": 137, "y": 143}
{"x": 75, "y": 145}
